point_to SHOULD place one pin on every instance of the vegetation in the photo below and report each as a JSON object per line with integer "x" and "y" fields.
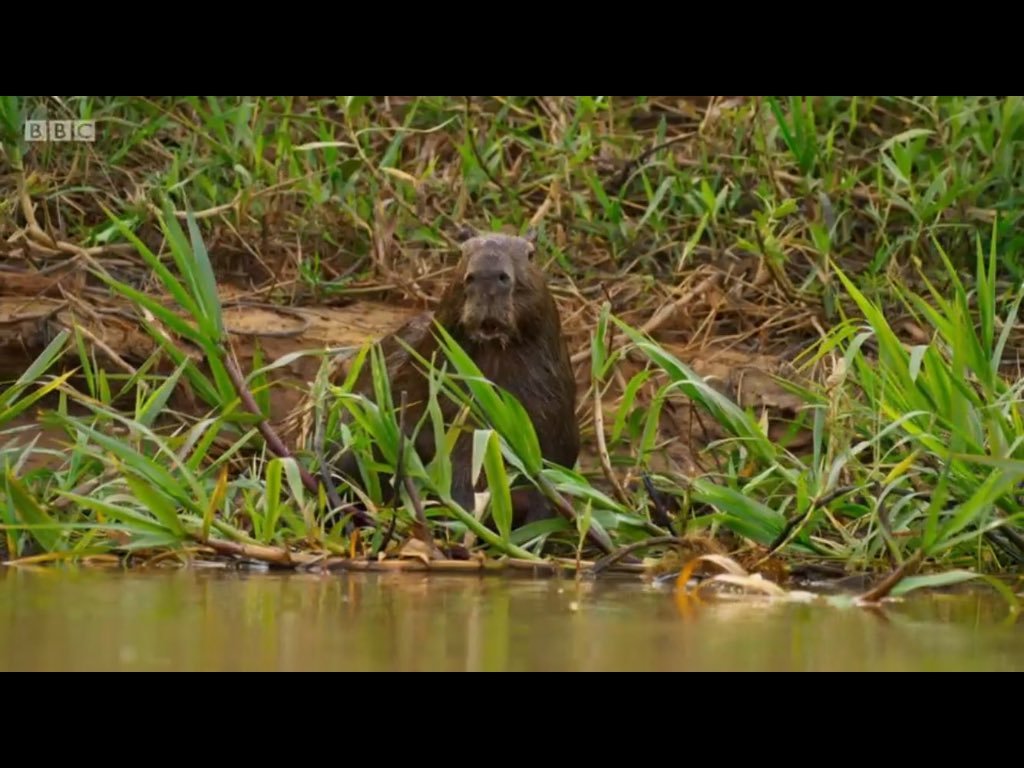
{"x": 865, "y": 249}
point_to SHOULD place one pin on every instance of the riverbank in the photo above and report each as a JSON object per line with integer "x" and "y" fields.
{"x": 793, "y": 326}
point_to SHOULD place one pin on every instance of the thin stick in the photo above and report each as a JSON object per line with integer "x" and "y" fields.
{"x": 790, "y": 529}
{"x": 596, "y": 537}
{"x": 890, "y": 582}
{"x": 602, "y": 450}
{"x": 274, "y": 443}
{"x": 534, "y": 568}
{"x": 619, "y": 554}
{"x": 421, "y": 529}
{"x": 663, "y": 313}
{"x": 276, "y": 555}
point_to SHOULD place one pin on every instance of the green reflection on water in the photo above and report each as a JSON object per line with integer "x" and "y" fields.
{"x": 212, "y": 620}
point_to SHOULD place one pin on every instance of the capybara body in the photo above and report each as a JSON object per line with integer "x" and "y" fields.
{"x": 499, "y": 309}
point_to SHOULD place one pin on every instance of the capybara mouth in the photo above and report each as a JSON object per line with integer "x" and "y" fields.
{"x": 490, "y": 330}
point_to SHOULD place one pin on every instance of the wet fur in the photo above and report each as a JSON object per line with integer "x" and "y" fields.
{"x": 531, "y": 361}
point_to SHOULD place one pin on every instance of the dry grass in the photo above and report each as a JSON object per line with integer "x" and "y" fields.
{"x": 713, "y": 224}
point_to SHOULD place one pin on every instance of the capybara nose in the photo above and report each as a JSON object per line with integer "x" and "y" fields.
{"x": 493, "y": 282}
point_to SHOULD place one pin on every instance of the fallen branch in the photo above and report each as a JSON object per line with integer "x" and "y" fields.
{"x": 264, "y": 554}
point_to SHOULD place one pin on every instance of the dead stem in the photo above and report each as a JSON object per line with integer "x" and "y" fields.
{"x": 275, "y": 555}
{"x": 420, "y": 528}
{"x": 596, "y": 537}
{"x": 553, "y": 568}
{"x": 103, "y": 346}
{"x": 274, "y": 443}
{"x": 602, "y": 450}
{"x": 616, "y": 182}
{"x": 395, "y": 189}
{"x": 655, "y": 541}
{"x": 553, "y": 191}
{"x": 908, "y": 568}
{"x": 36, "y": 233}
{"x": 207, "y": 213}
{"x": 793, "y": 526}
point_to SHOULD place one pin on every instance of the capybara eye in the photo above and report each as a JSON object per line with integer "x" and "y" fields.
{"x": 507, "y": 321}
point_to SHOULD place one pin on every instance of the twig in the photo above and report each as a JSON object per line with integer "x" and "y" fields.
{"x": 658, "y": 318}
{"x": 598, "y": 538}
{"x": 661, "y": 513}
{"x": 791, "y": 527}
{"x": 620, "y": 553}
{"x": 884, "y": 523}
{"x": 104, "y": 347}
{"x": 387, "y": 536}
{"x": 36, "y": 233}
{"x": 777, "y": 274}
{"x": 1006, "y": 546}
{"x": 542, "y": 211}
{"x": 663, "y": 313}
{"x": 1013, "y": 536}
{"x": 421, "y": 529}
{"x": 277, "y": 555}
{"x": 889, "y": 583}
{"x": 602, "y": 449}
{"x": 552, "y": 567}
{"x": 615, "y": 182}
{"x": 301, "y": 315}
{"x": 325, "y": 476}
{"x": 204, "y": 214}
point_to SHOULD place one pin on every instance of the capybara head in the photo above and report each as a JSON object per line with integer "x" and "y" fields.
{"x": 499, "y": 293}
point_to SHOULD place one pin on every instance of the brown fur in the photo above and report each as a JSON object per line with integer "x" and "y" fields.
{"x": 506, "y": 319}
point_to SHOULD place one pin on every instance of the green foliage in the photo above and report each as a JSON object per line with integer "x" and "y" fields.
{"x": 860, "y": 207}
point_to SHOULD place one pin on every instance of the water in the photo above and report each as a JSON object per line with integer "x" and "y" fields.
{"x": 213, "y": 620}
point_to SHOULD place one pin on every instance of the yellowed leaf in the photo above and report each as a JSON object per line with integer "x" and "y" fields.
{"x": 754, "y": 583}
{"x": 414, "y": 549}
{"x": 725, "y": 563}
{"x": 902, "y": 467}
{"x": 401, "y": 175}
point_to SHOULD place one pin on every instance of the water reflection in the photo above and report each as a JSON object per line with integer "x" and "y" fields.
{"x": 212, "y": 620}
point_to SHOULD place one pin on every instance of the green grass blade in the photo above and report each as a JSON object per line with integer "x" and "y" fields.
{"x": 157, "y": 503}
{"x": 205, "y": 282}
{"x": 498, "y": 484}
{"x": 39, "y": 366}
{"x": 744, "y": 514}
{"x": 45, "y": 529}
{"x": 156, "y": 402}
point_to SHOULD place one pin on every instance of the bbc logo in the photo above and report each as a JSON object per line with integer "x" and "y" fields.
{"x": 60, "y": 130}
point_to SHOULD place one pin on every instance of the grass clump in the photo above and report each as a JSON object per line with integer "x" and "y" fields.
{"x": 861, "y": 253}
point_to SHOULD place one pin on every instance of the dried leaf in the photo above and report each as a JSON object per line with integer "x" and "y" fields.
{"x": 726, "y": 563}
{"x": 414, "y": 549}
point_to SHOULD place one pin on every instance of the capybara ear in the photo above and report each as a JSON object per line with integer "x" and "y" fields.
{"x": 464, "y": 233}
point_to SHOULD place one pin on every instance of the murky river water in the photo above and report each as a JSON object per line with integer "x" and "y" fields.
{"x": 210, "y": 620}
